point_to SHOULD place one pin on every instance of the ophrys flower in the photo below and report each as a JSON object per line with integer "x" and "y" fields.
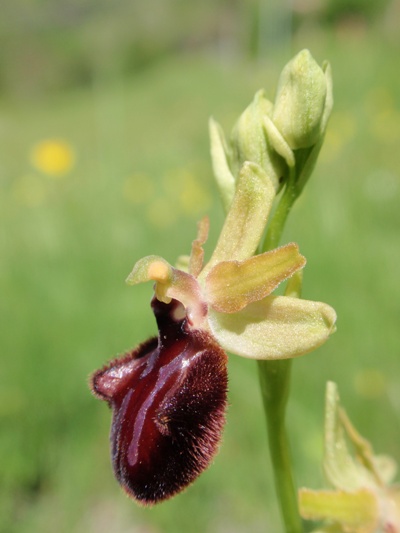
{"x": 169, "y": 395}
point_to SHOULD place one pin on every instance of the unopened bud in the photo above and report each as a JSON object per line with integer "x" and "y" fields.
{"x": 250, "y": 142}
{"x": 303, "y": 101}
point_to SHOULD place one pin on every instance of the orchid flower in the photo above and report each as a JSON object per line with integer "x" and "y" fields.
{"x": 230, "y": 297}
{"x": 364, "y": 500}
{"x": 169, "y": 395}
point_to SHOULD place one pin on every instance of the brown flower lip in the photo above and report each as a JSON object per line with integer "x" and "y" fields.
{"x": 168, "y": 398}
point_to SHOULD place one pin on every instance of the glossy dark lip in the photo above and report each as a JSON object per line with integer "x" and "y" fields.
{"x": 168, "y": 398}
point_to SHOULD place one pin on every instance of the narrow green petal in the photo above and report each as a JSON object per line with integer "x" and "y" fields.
{"x": 355, "y": 511}
{"x": 278, "y": 141}
{"x": 362, "y": 447}
{"x": 277, "y": 327}
{"x": 197, "y": 253}
{"x": 223, "y": 175}
{"x": 231, "y": 285}
{"x": 294, "y": 285}
{"x": 247, "y": 217}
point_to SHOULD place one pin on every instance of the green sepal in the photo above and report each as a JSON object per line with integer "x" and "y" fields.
{"x": 220, "y": 163}
{"x": 277, "y": 327}
{"x": 300, "y": 101}
{"x": 250, "y": 143}
{"x": 278, "y": 142}
{"x": 245, "y": 222}
{"x": 306, "y": 159}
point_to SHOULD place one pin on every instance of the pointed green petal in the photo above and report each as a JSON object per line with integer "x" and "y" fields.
{"x": 247, "y": 217}
{"x": 277, "y": 327}
{"x": 278, "y": 141}
{"x": 355, "y": 511}
{"x": 362, "y": 447}
{"x": 231, "y": 285}
{"x": 223, "y": 175}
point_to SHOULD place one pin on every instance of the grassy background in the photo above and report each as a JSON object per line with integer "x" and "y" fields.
{"x": 141, "y": 181}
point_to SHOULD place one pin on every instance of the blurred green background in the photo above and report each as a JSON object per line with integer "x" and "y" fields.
{"x": 104, "y": 158}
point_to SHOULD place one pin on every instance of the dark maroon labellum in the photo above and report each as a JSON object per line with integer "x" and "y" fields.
{"x": 168, "y": 398}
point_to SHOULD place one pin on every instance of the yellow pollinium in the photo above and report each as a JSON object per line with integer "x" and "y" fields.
{"x": 159, "y": 271}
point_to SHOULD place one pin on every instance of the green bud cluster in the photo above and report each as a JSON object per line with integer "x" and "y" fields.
{"x": 284, "y": 137}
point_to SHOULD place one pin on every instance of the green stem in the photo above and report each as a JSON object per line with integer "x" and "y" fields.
{"x": 275, "y": 385}
{"x": 277, "y": 223}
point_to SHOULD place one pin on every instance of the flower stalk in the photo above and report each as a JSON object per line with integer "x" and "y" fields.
{"x": 277, "y": 224}
{"x": 274, "y": 378}
{"x": 275, "y": 386}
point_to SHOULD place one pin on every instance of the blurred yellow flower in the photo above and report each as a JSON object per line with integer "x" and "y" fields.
{"x": 54, "y": 157}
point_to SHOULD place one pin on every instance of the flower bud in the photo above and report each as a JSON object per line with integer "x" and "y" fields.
{"x": 303, "y": 101}
{"x": 250, "y": 142}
